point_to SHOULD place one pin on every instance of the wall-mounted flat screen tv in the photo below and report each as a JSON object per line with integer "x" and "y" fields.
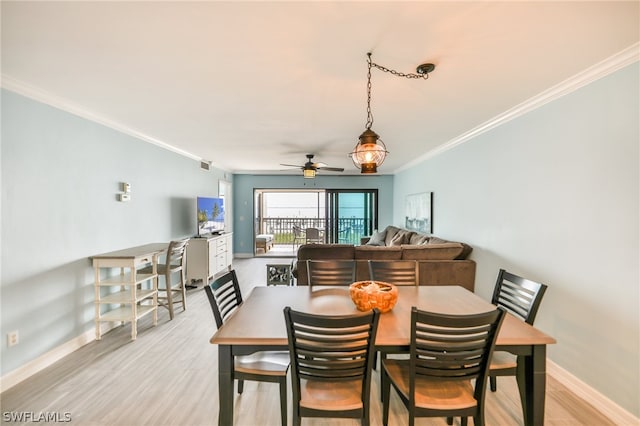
{"x": 210, "y": 215}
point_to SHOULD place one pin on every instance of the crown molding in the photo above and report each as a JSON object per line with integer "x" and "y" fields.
{"x": 63, "y": 104}
{"x": 601, "y": 69}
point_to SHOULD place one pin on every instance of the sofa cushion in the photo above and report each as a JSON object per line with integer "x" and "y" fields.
{"x": 417, "y": 239}
{"x": 377, "y": 238}
{"x": 325, "y": 251}
{"x": 390, "y": 232}
{"x": 436, "y": 240}
{"x": 466, "y": 249}
{"x": 401, "y": 237}
{"x": 446, "y": 251}
{"x": 378, "y": 253}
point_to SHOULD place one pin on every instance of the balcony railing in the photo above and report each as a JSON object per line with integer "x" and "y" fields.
{"x": 349, "y": 229}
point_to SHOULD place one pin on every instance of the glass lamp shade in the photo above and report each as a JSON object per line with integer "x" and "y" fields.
{"x": 308, "y": 173}
{"x": 369, "y": 153}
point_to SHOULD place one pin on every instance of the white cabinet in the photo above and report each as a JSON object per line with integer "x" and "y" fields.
{"x": 208, "y": 257}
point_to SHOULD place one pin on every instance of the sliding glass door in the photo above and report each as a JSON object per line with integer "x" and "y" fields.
{"x": 351, "y": 214}
{"x": 281, "y": 217}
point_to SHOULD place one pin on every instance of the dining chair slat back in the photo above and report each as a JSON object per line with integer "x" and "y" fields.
{"x": 397, "y": 272}
{"x": 447, "y": 354}
{"x": 267, "y": 366}
{"x": 224, "y": 296}
{"x": 521, "y": 297}
{"x": 331, "y": 272}
{"x": 331, "y": 363}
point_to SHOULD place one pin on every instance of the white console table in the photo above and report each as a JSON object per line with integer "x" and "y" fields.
{"x": 208, "y": 257}
{"x": 136, "y": 295}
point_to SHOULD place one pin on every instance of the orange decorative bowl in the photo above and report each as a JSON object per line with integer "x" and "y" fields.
{"x": 373, "y": 294}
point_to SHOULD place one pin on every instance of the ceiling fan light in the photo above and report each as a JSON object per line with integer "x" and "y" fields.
{"x": 308, "y": 173}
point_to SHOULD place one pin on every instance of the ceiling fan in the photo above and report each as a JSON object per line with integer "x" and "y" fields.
{"x": 309, "y": 168}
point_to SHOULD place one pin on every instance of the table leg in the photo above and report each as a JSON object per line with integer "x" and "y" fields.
{"x": 225, "y": 385}
{"x": 531, "y": 377}
{"x": 134, "y": 304}
{"x": 97, "y": 299}
{"x": 155, "y": 289}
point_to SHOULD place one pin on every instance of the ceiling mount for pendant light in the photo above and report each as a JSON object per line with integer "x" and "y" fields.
{"x": 370, "y": 152}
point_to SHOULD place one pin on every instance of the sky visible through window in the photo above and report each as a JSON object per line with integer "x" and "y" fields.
{"x": 309, "y": 204}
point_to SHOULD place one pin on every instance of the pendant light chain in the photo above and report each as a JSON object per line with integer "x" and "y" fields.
{"x": 424, "y": 76}
{"x": 398, "y": 73}
{"x": 370, "y": 152}
{"x": 369, "y": 114}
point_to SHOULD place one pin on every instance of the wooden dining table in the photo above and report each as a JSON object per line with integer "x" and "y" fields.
{"x": 258, "y": 325}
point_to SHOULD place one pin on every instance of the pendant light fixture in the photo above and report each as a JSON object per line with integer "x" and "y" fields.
{"x": 370, "y": 152}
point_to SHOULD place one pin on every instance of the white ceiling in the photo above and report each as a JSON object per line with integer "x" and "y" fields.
{"x": 250, "y": 85}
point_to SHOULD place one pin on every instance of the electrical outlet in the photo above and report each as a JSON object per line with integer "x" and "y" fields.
{"x": 12, "y": 338}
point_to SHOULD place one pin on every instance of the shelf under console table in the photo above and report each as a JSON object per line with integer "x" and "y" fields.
{"x": 136, "y": 294}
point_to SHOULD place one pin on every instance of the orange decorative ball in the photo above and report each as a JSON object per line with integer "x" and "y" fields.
{"x": 373, "y": 294}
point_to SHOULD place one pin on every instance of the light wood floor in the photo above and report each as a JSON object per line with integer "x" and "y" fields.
{"x": 168, "y": 376}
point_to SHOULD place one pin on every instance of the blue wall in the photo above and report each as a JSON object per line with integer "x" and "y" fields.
{"x": 60, "y": 177}
{"x": 243, "y": 186}
{"x": 554, "y": 196}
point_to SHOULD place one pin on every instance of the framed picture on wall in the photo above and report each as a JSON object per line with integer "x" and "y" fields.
{"x": 419, "y": 212}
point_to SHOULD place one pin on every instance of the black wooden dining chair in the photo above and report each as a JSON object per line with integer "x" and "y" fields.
{"x": 447, "y": 353}
{"x": 520, "y": 297}
{"x": 398, "y": 272}
{"x": 225, "y": 297}
{"x": 331, "y": 363}
{"x": 331, "y": 272}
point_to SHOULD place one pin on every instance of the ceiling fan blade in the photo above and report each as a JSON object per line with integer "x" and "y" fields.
{"x": 332, "y": 169}
{"x": 318, "y": 165}
{"x": 292, "y": 165}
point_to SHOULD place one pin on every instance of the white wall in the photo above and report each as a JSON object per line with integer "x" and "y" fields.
{"x": 554, "y": 195}
{"x": 60, "y": 177}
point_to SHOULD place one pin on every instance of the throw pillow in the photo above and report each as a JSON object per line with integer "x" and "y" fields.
{"x": 377, "y": 238}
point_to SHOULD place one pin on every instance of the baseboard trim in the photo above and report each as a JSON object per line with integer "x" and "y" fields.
{"x": 607, "y": 407}
{"x": 16, "y": 376}
{"x": 243, "y": 255}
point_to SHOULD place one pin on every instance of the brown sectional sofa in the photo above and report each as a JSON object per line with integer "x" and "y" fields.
{"x": 441, "y": 262}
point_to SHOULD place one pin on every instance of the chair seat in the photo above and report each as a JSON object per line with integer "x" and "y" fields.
{"x": 431, "y": 394}
{"x": 503, "y": 360}
{"x": 331, "y": 396}
{"x": 263, "y": 363}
